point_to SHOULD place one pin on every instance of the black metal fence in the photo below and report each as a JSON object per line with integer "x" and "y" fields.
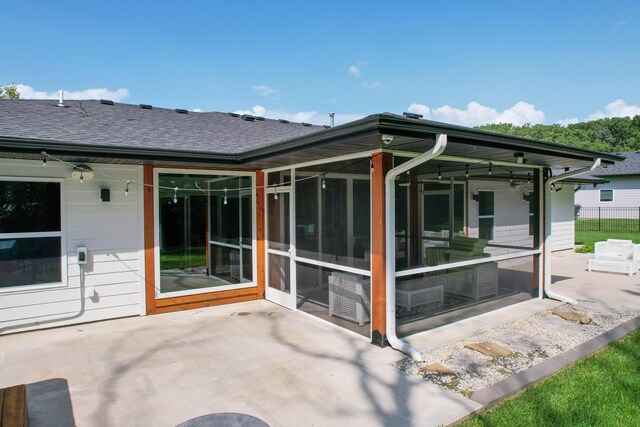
{"x": 608, "y": 219}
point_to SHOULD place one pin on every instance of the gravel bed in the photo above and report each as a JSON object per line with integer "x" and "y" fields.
{"x": 533, "y": 339}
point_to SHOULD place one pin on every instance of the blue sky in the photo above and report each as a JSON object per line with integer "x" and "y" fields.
{"x": 461, "y": 62}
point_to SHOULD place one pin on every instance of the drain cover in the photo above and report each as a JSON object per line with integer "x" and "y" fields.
{"x": 224, "y": 419}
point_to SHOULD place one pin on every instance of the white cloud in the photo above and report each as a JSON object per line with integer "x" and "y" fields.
{"x": 197, "y": 110}
{"x": 301, "y": 116}
{"x": 354, "y": 71}
{"x": 420, "y": 109}
{"x": 375, "y": 84}
{"x": 477, "y": 114}
{"x": 266, "y": 91}
{"x": 27, "y": 92}
{"x": 617, "y": 108}
{"x": 619, "y": 25}
{"x": 566, "y": 122}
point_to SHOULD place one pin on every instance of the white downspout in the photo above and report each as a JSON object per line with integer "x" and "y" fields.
{"x": 390, "y": 221}
{"x": 547, "y": 230}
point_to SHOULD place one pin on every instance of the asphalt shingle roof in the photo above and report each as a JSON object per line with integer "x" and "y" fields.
{"x": 630, "y": 166}
{"x": 91, "y": 122}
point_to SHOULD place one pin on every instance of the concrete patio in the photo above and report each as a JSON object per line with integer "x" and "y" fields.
{"x": 255, "y": 358}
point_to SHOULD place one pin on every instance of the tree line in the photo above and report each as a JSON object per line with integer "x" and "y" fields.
{"x": 610, "y": 135}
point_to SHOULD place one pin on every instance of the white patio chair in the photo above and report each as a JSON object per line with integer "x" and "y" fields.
{"x": 616, "y": 256}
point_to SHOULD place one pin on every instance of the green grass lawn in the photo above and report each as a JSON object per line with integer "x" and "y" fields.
{"x": 177, "y": 260}
{"x": 601, "y": 390}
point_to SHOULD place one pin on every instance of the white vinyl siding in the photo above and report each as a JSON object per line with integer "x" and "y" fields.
{"x": 511, "y": 214}
{"x": 562, "y": 225}
{"x": 111, "y": 231}
{"x": 626, "y": 193}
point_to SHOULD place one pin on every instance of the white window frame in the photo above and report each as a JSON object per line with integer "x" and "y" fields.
{"x": 156, "y": 231}
{"x": 62, "y": 234}
{"x": 606, "y": 201}
{"x": 493, "y": 234}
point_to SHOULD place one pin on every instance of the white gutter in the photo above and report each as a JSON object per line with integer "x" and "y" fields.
{"x": 547, "y": 230}
{"x": 390, "y": 221}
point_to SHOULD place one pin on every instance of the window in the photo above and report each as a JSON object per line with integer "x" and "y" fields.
{"x": 205, "y": 231}
{"x": 486, "y": 214}
{"x": 606, "y": 196}
{"x": 30, "y": 233}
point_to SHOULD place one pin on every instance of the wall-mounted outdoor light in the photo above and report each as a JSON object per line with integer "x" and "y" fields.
{"x": 476, "y": 196}
{"x": 105, "y": 194}
{"x": 519, "y": 158}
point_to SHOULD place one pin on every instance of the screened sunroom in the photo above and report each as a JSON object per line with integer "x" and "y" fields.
{"x": 461, "y": 232}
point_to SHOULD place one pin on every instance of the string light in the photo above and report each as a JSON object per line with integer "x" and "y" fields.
{"x": 439, "y": 173}
{"x": 44, "y": 161}
{"x": 275, "y": 194}
{"x": 175, "y": 195}
{"x": 126, "y": 188}
{"x": 490, "y": 167}
{"x": 225, "y": 195}
{"x": 371, "y": 163}
{"x": 324, "y": 183}
{"x": 528, "y": 177}
{"x": 511, "y": 177}
{"x": 466, "y": 171}
{"x": 81, "y": 177}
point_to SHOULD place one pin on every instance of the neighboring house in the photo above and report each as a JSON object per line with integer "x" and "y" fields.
{"x": 622, "y": 191}
{"x": 388, "y": 224}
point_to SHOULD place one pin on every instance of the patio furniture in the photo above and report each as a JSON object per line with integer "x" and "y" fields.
{"x": 350, "y": 297}
{"x": 476, "y": 281}
{"x": 615, "y": 256}
{"x": 13, "y": 406}
{"x": 426, "y": 293}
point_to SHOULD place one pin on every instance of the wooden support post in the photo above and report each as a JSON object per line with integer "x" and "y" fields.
{"x": 260, "y": 233}
{"x": 382, "y": 163}
{"x": 149, "y": 237}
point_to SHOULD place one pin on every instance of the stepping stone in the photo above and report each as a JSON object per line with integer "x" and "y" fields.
{"x": 572, "y": 316}
{"x": 522, "y": 342}
{"x": 436, "y": 368}
{"x": 468, "y": 362}
{"x": 490, "y": 349}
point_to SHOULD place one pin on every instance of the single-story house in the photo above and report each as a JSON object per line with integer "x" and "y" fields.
{"x": 384, "y": 227}
{"x": 619, "y": 197}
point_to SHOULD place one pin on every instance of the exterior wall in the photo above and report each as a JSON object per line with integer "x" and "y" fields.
{"x": 626, "y": 193}
{"x": 511, "y": 223}
{"x": 562, "y": 222}
{"x": 112, "y": 233}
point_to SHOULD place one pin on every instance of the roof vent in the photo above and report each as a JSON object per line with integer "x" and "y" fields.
{"x": 146, "y": 107}
{"x": 283, "y": 121}
{"x": 306, "y": 124}
{"x": 248, "y": 117}
{"x": 412, "y": 115}
{"x": 181, "y": 111}
{"x": 106, "y": 102}
{"x": 260, "y": 118}
{"x": 234, "y": 114}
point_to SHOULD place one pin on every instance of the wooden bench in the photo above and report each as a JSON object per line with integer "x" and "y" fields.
{"x": 13, "y": 406}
